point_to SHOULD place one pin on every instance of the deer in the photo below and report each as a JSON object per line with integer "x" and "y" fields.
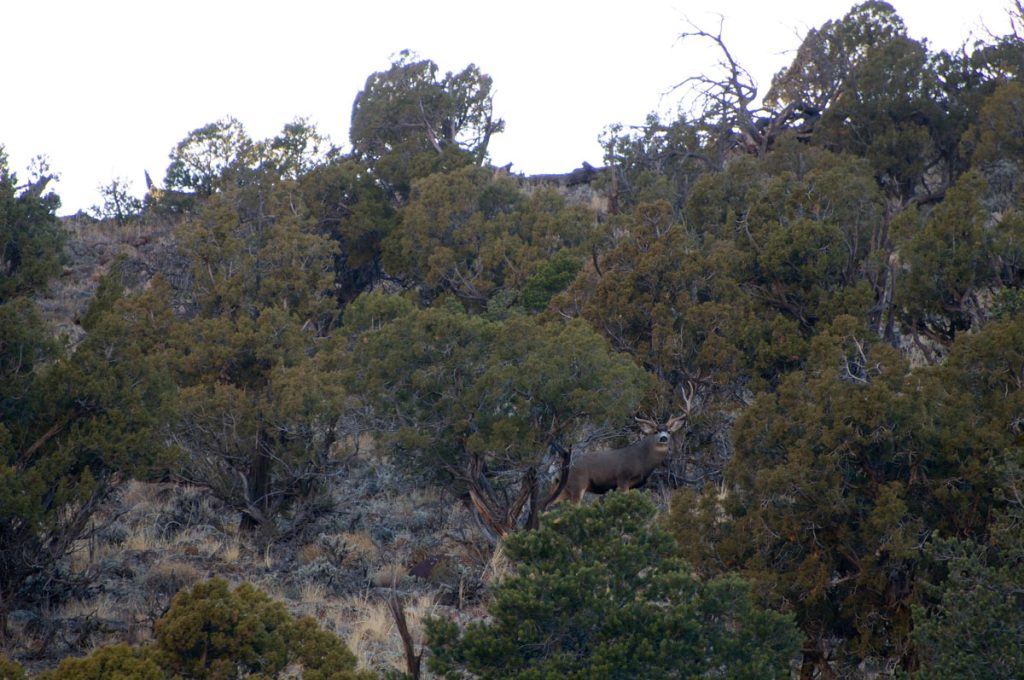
{"x": 621, "y": 469}
{"x": 627, "y": 467}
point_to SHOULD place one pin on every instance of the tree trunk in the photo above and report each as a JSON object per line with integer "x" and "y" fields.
{"x": 815, "y": 660}
{"x": 258, "y": 486}
{"x": 413, "y": 661}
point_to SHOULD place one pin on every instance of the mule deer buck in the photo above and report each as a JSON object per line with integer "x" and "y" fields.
{"x": 622, "y": 469}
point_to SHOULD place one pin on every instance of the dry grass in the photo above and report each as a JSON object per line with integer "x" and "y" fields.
{"x": 170, "y": 577}
{"x": 360, "y": 445}
{"x": 142, "y": 497}
{"x": 429, "y": 496}
{"x": 109, "y": 232}
{"x": 498, "y": 568}
{"x": 207, "y": 545}
{"x": 369, "y": 629}
{"x": 160, "y": 584}
{"x": 86, "y": 553}
{"x": 388, "y": 575}
{"x": 101, "y": 607}
{"x": 376, "y": 623}
{"x": 310, "y": 552}
{"x": 229, "y": 551}
{"x": 415, "y": 612}
{"x": 313, "y": 593}
{"x": 145, "y": 503}
{"x": 359, "y": 547}
{"x": 141, "y": 537}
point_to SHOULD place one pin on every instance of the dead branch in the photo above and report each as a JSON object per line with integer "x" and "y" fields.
{"x": 563, "y": 475}
{"x": 730, "y": 99}
{"x": 413, "y": 660}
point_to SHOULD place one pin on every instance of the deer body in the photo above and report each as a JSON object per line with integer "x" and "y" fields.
{"x": 622, "y": 469}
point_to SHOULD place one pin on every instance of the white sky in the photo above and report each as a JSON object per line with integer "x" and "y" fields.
{"x": 106, "y": 89}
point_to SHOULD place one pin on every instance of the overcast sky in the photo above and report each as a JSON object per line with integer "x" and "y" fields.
{"x": 106, "y": 89}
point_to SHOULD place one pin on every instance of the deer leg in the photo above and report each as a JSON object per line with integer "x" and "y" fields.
{"x": 567, "y": 494}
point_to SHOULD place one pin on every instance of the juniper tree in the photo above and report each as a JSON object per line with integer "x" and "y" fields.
{"x": 254, "y": 418}
{"x": 600, "y": 592}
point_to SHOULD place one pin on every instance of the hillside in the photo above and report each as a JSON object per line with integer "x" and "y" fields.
{"x": 356, "y": 381}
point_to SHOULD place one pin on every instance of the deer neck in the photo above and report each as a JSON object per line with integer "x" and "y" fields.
{"x": 655, "y": 451}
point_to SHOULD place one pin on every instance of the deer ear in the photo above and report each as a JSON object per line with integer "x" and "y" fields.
{"x": 676, "y": 423}
{"x": 647, "y": 426}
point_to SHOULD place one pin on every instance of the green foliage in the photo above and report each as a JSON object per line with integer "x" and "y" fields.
{"x": 349, "y": 207}
{"x": 460, "y": 396}
{"x": 200, "y": 160}
{"x": 472, "y": 234}
{"x": 10, "y": 670}
{"x": 975, "y": 630}
{"x": 976, "y": 626}
{"x": 803, "y": 221}
{"x": 948, "y": 260}
{"x": 774, "y": 262}
{"x": 888, "y": 102}
{"x": 409, "y": 122}
{"x": 116, "y": 662}
{"x": 221, "y": 155}
{"x": 600, "y": 593}
{"x": 371, "y": 311}
{"x": 31, "y": 250}
{"x": 253, "y": 248}
{"x": 999, "y": 131}
{"x": 982, "y": 367}
{"x": 1008, "y": 303}
{"x": 254, "y": 418}
{"x": 774, "y": 248}
{"x": 809, "y": 221}
{"x": 71, "y": 428}
{"x": 215, "y": 633}
{"x": 860, "y": 84}
{"x": 109, "y": 291}
{"x": 452, "y": 386}
{"x": 298, "y": 150}
{"x": 31, "y": 241}
{"x": 71, "y": 424}
{"x": 829, "y": 57}
{"x": 658, "y": 297}
{"x": 660, "y": 162}
{"x": 836, "y": 477}
{"x": 119, "y": 204}
{"x": 552, "y": 277}
{"x": 25, "y": 347}
{"x": 329, "y": 195}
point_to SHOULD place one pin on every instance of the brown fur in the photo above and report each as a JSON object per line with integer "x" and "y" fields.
{"x": 625, "y": 468}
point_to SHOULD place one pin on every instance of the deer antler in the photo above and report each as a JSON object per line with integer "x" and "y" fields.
{"x": 689, "y": 391}
{"x": 689, "y": 395}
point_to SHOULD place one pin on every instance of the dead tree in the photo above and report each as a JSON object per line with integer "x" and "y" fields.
{"x": 727, "y": 102}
